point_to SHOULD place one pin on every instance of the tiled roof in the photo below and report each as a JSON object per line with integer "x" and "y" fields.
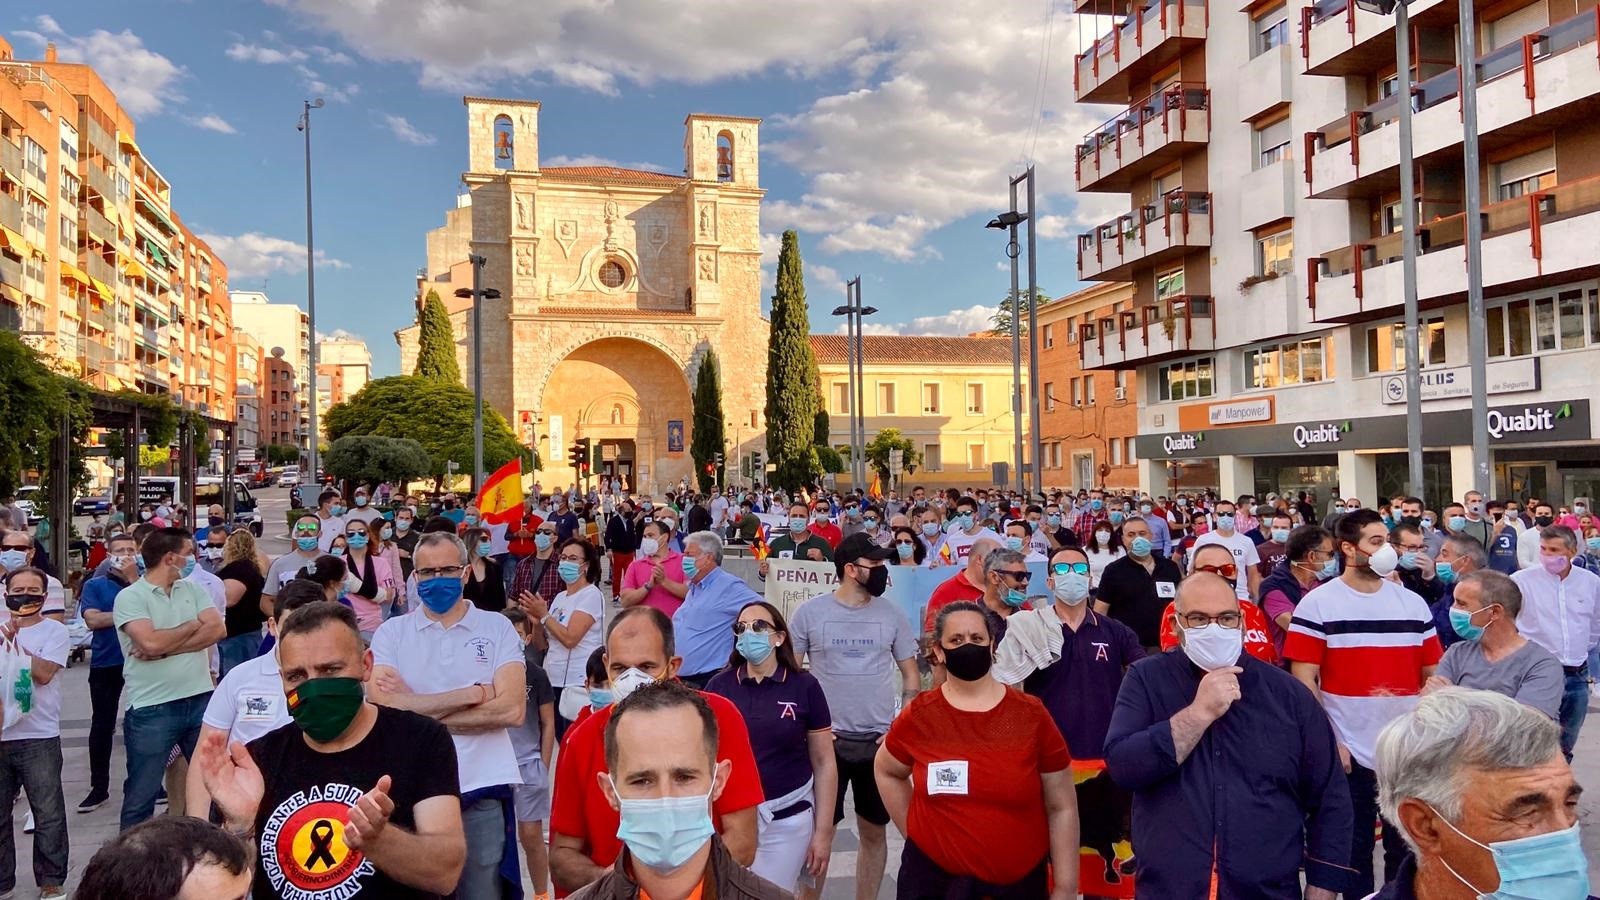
{"x": 611, "y": 173}
{"x": 831, "y": 349}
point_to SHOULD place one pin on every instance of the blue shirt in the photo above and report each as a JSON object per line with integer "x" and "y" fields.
{"x": 703, "y": 625}
{"x": 1441, "y": 617}
{"x": 100, "y": 593}
{"x": 1160, "y": 533}
{"x": 1080, "y": 689}
{"x": 1503, "y": 552}
{"x": 1261, "y": 795}
{"x": 781, "y": 712}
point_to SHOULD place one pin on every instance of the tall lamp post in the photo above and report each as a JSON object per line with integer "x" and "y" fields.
{"x": 1008, "y": 222}
{"x": 854, "y": 317}
{"x": 477, "y": 293}
{"x": 1408, "y": 235}
{"x": 311, "y": 290}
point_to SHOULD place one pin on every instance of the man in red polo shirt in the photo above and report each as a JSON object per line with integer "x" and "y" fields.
{"x": 583, "y": 826}
{"x": 967, "y": 584}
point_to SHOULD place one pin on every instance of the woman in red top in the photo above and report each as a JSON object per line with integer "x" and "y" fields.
{"x": 978, "y": 779}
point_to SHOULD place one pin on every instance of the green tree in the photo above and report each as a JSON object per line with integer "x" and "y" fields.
{"x": 33, "y": 404}
{"x": 281, "y": 454}
{"x": 830, "y": 459}
{"x": 884, "y": 445}
{"x": 436, "y": 342}
{"x": 436, "y": 414}
{"x": 372, "y": 459}
{"x": 820, "y": 426}
{"x": 151, "y": 458}
{"x": 791, "y": 376}
{"x": 710, "y": 431}
{"x": 1002, "y": 318}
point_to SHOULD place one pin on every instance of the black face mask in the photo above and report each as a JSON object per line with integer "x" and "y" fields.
{"x": 1413, "y": 521}
{"x": 968, "y": 662}
{"x": 1544, "y": 521}
{"x": 877, "y": 581}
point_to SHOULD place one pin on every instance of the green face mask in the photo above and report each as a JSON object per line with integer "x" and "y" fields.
{"x": 325, "y": 707}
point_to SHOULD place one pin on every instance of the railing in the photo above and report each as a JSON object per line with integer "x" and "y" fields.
{"x": 11, "y": 158}
{"x": 99, "y": 268}
{"x": 1519, "y": 56}
{"x": 1183, "y": 97}
{"x": 1171, "y": 208}
{"x": 99, "y": 226}
{"x": 1321, "y": 11}
{"x": 100, "y": 182}
{"x": 10, "y": 272}
{"x": 1180, "y": 310}
{"x": 10, "y": 211}
{"x": 1530, "y": 212}
{"x": 1129, "y": 35}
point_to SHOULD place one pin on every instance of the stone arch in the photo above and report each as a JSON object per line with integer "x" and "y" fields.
{"x": 505, "y": 142}
{"x": 725, "y": 173}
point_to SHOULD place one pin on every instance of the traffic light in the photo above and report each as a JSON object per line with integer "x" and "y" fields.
{"x": 585, "y": 454}
{"x": 718, "y": 460}
{"x": 711, "y": 468}
{"x": 575, "y": 455}
{"x": 755, "y": 462}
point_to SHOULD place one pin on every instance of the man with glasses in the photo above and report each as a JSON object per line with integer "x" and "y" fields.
{"x": 1416, "y": 573}
{"x": 307, "y": 535}
{"x": 1214, "y": 559}
{"x": 1233, "y": 822}
{"x": 1136, "y": 588}
{"x": 704, "y": 621}
{"x": 1245, "y": 555}
{"x": 537, "y": 573}
{"x": 17, "y": 551}
{"x": 464, "y": 667}
{"x": 1309, "y": 561}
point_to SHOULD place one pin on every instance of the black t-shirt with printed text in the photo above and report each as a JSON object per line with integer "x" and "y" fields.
{"x": 300, "y": 849}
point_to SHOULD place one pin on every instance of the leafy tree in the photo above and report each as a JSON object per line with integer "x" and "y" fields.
{"x": 791, "y": 376}
{"x": 1001, "y": 320}
{"x": 883, "y": 447}
{"x": 820, "y": 425}
{"x": 830, "y": 459}
{"x": 281, "y": 454}
{"x": 709, "y": 428}
{"x": 372, "y": 459}
{"x": 151, "y": 458}
{"x": 33, "y": 401}
{"x": 436, "y": 414}
{"x": 436, "y": 342}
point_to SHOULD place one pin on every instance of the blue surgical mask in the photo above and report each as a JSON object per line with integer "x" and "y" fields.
{"x": 930, "y": 529}
{"x": 1015, "y": 598}
{"x": 1014, "y": 543}
{"x": 356, "y": 541}
{"x": 1446, "y": 572}
{"x": 1456, "y": 523}
{"x": 690, "y": 568}
{"x": 543, "y": 541}
{"x": 1548, "y": 866}
{"x": 470, "y": 519}
{"x": 1071, "y": 588}
{"x": 13, "y": 559}
{"x": 1054, "y": 519}
{"x": 964, "y": 520}
{"x": 307, "y": 543}
{"x": 754, "y": 646}
{"x": 1330, "y": 569}
{"x": 485, "y": 549}
{"x": 869, "y": 523}
{"x": 1461, "y": 621}
{"x": 663, "y": 832}
{"x": 1408, "y": 559}
{"x": 1116, "y": 516}
{"x": 336, "y": 509}
{"x": 1281, "y": 535}
{"x": 387, "y": 533}
{"x": 1096, "y": 504}
{"x": 1426, "y": 524}
{"x": 188, "y": 566}
{"x": 1140, "y": 547}
{"x": 361, "y": 500}
{"x": 440, "y": 594}
{"x": 1224, "y": 523}
{"x": 402, "y": 524}
{"x": 568, "y": 570}
{"x": 599, "y": 698}
{"x": 797, "y": 523}
{"x": 906, "y": 551}
{"x": 1594, "y": 545}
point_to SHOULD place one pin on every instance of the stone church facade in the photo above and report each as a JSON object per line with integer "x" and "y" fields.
{"x": 614, "y": 284}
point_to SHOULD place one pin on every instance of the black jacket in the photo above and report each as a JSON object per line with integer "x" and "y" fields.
{"x": 728, "y": 881}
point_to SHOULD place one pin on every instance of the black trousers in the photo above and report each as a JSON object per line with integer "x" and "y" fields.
{"x": 105, "y": 701}
{"x": 921, "y": 878}
{"x": 1364, "y": 801}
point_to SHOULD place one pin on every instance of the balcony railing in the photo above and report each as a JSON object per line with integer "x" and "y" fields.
{"x": 1168, "y": 327}
{"x": 1531, "y": 213}
{"x": 10, "y": 211}
{"x": 1519, "y": 56}
{"x": 98, "y": 225}
{"x": 1131, "y": 135}
{"x": 1136, "y": 35}
{"x": 11, "y": 158}
{"x": 97, "y": 267}
{"x": 100, "y": 182}
{"x": 1179, "y": 218}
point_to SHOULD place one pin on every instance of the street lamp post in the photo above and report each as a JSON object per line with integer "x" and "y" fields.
{"x": 1472, "y": 199}
{"x": 855, "y": 319}
{"x": 1009, "y": 221}
{"x": 1034, "y": 448}
{"x": 478, "y": 293}
{"x": 311, "y": 288}
{"x": 848, "y": 311}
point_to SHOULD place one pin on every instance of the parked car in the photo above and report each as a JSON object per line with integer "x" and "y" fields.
{"x": 31, "y": 502}
{"x": 90, "y": 505}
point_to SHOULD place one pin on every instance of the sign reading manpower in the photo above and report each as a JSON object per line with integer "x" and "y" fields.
{"x": 1510, "y": 376}
{"x": 1244, "y": 411}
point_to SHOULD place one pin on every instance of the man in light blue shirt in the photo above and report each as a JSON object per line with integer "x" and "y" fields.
{"x": 1160, "y": 532}
{"x": 703, "y": 625}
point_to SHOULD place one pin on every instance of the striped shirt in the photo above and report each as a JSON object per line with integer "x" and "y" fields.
{"x": 1371, "y": 648}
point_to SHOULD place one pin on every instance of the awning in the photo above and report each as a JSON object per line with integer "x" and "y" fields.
{"x": 103, "y": 288}
{"x": 131, "y": 266}
{"x": 73, "y": 273}
{"x": 154, "y": 213}
{"x": 126, "y": 140}
{"x": 159, "y": 254}
{"x": 11, "y": 292}
{"x": 14, "y": 241}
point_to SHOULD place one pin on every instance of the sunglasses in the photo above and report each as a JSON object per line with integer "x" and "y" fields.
{"x": 759, "y": 626}
{"x": 1020, "y": 577}
{"x": 1066, "y": 568}
{"x": 1226, "y": 570}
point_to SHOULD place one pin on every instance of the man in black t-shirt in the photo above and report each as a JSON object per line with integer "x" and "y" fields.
{"x": 1135, "y": 589}
{"x": 349, "y": 798}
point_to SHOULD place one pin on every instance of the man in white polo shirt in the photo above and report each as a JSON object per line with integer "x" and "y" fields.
{"x": 463, "y": 666}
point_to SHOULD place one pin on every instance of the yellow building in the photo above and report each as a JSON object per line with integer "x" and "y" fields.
{"x": 950, "y": 395}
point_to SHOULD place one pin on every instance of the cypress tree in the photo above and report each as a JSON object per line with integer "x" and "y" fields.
{"x": 436, "y": 342}
{"x": 791, "y": 373}
{"x": 709, "y": 428}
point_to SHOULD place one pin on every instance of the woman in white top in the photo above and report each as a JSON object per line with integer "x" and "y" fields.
{"x": 1103, "y": 549}
{"x": 572, "y": 622}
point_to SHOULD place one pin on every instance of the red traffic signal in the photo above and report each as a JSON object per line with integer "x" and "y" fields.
{"x": 711, "y": 468}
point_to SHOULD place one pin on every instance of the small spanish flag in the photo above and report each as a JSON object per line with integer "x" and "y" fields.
{"x": 760, "y": 549}
{"x": 500, "y": 500}
{"x": 875, "y": 491}
{"x": 945, "y": 554}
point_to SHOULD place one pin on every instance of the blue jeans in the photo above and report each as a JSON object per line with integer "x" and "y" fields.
{"x": 1574, "y": 708}
{"x": 149, "y": 734}
{"x": 484, "y": 824}
{"x": 241, "y": 648}
{"x": 34, "y": 765}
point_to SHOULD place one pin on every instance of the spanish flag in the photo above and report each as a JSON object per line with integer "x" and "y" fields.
{"x": 500, "y": 500}
{"x": 761, "y": 550}
{"x": 876, "y": 490}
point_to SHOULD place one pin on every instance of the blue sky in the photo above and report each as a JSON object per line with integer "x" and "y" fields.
{"x": 890, "y": 128}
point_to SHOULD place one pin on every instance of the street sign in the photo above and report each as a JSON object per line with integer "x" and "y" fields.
{"x": 1000, "y": 473}
{"x": 897, "y": 462}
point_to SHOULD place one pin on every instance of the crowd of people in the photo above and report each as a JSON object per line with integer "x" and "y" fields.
{"x": 1201, "y": 698}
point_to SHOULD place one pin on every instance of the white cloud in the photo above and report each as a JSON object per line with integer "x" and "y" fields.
{"x": 975, "y": 318}
{"x": 267, "y": 56}
{"x": 145, "y": 82}
{"x": 340, "y": 334}
{"x": 256, "y": 255}
{"x": 405, "y": 131}
{"x": 332, "y": 57}
{"x": 213, "y": 123}
{"x": 273, "y": 52}
{"x": 591, "y": 160}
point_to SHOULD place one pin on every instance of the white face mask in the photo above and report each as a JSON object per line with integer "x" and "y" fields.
{"x": 626, "y": 683}
{"x": 1212, "y": 646}
{"x": 1384, "y": 561}
{"x": 649, "y": 546}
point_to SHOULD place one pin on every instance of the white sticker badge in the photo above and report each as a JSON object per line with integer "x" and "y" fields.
{"x": 949, "y": 777}
{"x": 1166, "y": 589}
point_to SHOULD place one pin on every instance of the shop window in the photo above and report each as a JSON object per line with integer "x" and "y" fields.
{"x": 1274, "y": 143}
{"x": 1186, "y": 380}
{"x": 1386, "y": 346}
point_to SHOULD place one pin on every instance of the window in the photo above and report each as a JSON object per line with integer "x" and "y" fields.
{"x": 1072, "y": 329}
{"x": 69, "y": 188}
{"x": 1392, "y": 219}
{"x": 975, "y": 457}
{"x": 841, "y": 398}
{"x": 34, "y": 157}
{"x": 1049, "y": 395}
{"x": 930, "y": 399}
{"x": 612, "y": 274}
{"x": 1274, "y": 143}
{"x": 1088, "y": 389}
{"x": 1568, "y": 321}
{"x": 1386, "y": 346}
{"x": 123, "y": 187}
{"x": 1169, "y": 283}
{"x": 886, "y": 399}
{"x": 1116, "y": 451}
{"x": 932, "y": 458}
{"x": 1271, "y": 29}
{"x": 69, "y": 232}
{"x": 1281, "y": 365}
{"x": 1122, "y": 379}
{"x": 1275, "y": 253}
{"x": 1524, "y": 175}
{"x": 755, "y": 419}
{"x": 1049, "y": 336}
{"x": 1510, "y": 27}
{"x": 974, "y": 398}
{"x": 1185, "y": 380}
{"x": 1127, "y": 451}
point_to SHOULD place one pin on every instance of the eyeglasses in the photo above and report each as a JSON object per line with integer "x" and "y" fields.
{"x": 759, "y": 626}
{"x": 549, "y": 531}
{"x": 1081, "y": 568}
{"x": 441, "y": 572}
{"x": 1015, "y": 576}
{"x": 1201, "y": 620}
{"x": 904, "y": 544}
{"x": 1226, "y": 570}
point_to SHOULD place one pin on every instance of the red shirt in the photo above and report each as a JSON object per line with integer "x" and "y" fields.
{"x": 519, "y": 540}
{"x": 828, "y": 532}
{"x": 987, "y": 769}
{"x": 1257, "y": 637}
{"x": 954, "y": 588}
{"x": 579, "y": 808}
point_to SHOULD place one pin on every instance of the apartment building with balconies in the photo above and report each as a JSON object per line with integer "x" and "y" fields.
{"x": 1264, "y": 248}
{"x": 1087, "y": 417}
